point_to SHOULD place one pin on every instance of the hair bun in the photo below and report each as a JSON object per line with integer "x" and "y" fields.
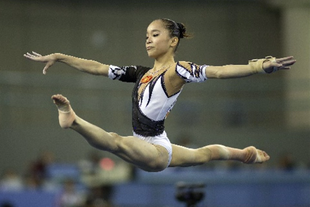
{"x": 182, "y": 29}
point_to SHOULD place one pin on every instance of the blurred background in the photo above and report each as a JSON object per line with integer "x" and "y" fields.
{"x": 271, "y": 112}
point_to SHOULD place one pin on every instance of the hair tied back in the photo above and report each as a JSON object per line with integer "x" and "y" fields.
{"x": 182, "y": 30}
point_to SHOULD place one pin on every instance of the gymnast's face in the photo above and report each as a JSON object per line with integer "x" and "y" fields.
{"x": 158, "y": 41}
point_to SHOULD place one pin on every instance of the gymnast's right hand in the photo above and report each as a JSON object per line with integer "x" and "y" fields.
{"x": 49, "y": 60}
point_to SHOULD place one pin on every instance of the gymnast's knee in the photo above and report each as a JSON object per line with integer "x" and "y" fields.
{"x": 157, "y": 166}
{"x": 202, "y": 155}
{"x": 159, "y": 163}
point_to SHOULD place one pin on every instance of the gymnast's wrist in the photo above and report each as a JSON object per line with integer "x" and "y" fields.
{"x": 58, "y": 56}
{"x": 257, "y": 65}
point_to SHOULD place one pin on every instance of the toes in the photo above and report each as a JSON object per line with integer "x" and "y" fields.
{"x": 60, "y": 99}
{"x": 66, "y": 115}
{"x": 265, "y": 156}
{"x": 255, "y": 156}
{"x": 62, "y": 103}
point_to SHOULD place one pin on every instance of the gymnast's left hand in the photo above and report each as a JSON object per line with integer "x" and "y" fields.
{"x": 49, "y": 60}
{"x": 279, "y": 64}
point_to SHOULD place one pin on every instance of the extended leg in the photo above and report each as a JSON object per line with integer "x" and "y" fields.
{"x": 138, "y": 152}
{"x": 183, "y": 156}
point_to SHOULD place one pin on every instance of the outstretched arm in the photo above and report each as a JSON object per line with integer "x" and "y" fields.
{"x": 265, "y": 65}
{"x": 88, "y": 66}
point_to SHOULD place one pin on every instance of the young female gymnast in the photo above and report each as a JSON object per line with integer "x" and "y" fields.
{"x": 155, "y": 92}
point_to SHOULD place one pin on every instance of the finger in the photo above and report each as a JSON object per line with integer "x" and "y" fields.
{"x": 282, "y": 63}
{"x": 37, "y": 54}
{"x": 284, "y": 58}
{"x": 276, "y": 65}
{"x": 28, "y": 55}
{"x": 288, "y": 63}
{"x": 25, "y": 55}
{"x": 45, "y": 69}
{"x": 285, "y": 68}
{"x": 31, "y": 55}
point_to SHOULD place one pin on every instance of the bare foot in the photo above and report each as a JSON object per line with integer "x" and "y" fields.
{"x": 66, "y": 115}
{"x": 254, "y": 155}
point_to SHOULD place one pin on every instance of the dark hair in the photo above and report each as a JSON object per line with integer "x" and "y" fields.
{"x": 175, "y": 29}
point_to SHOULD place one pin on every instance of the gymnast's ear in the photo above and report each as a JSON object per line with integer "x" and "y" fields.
{"x": 174, "y": 41}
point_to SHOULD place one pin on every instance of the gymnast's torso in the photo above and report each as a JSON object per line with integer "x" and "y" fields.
{"x": 154, "y": 95}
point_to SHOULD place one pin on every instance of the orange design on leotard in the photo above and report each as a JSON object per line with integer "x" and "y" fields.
{"x": 146, "y": 79}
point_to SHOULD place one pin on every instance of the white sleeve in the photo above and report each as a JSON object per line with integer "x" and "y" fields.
{"x": 197, "y": 73}
{"x": 116, "y": 72}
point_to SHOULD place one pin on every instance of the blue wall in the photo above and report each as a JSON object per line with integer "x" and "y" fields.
{"x": 223, "y": 189}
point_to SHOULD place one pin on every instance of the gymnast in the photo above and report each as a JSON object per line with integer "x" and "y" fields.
{"x": 154, "y": 94}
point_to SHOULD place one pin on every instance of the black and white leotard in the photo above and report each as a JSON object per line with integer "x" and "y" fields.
{"x": 151, "y": 104}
